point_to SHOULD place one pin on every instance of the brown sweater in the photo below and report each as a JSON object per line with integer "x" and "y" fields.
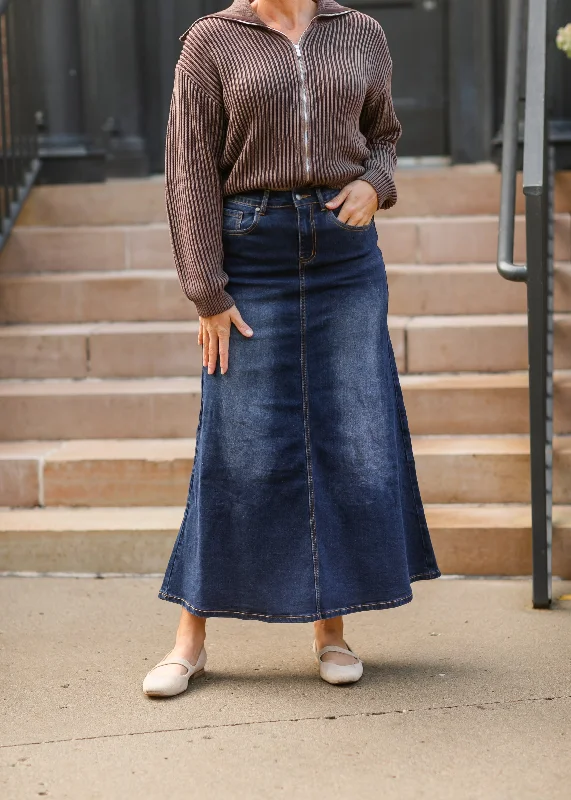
{"x": 251, "y": 110}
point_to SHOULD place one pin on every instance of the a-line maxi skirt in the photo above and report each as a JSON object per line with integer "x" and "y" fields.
{"x": 303, "y": 501}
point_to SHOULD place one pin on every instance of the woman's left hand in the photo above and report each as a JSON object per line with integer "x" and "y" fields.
{"x": 359, "y": 200}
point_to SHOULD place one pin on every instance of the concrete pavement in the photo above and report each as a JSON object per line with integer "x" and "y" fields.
{"x": 466, "y": 694}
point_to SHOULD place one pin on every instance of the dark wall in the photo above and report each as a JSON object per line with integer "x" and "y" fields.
{"x": 108, "y": 74}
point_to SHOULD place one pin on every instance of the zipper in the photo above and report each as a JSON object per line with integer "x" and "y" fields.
{"x": 305, "y": 108}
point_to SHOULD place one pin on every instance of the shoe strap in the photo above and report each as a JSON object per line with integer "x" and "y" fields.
{"x": 333, "y": 648}
{"x": 175, "y": 660}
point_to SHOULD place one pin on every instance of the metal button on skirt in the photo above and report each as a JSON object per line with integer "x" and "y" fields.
{"x": 303, "y": 501}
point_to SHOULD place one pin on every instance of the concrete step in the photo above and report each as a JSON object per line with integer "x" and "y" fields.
{"x": 117, "y": 350}
{"x": 104, "y": 350}
{"x": 403, "y": 240}
{"x": 104, "y": 248}
{"x": 468, "y": 539}
{"x": 462, "y": 189}
{"x": 485, "y": 469}
{"x": 148, "y": 295}
{"x": 490, "y": 343}
{"x": 156, "y": 472}
{"x": 99, "y": 409}
{"x": 93, "y": 297}
{"x": 465, "y": 403}
{"x": 485, "y": 343}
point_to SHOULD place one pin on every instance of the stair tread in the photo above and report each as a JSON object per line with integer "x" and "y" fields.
{"x": 165, "y": 449}
{"x": 166, "y": 326}
{"x": 100, "y": 449}
{"x": 105, "y": 275}
{"x": 436, "y": 381}
{"x": 82, "y": 275}
{"x": 98, "y": 386}
{"x": 168, "y": 517}
{"x": 380, "y": 218}
{"x": 89, "y": 328}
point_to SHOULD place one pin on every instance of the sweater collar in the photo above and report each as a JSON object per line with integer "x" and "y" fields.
{"x": 242, "y": 11}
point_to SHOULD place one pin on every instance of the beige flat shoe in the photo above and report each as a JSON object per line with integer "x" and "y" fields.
{"x": 338, "y": 673}
{"x": 164, "y": 684}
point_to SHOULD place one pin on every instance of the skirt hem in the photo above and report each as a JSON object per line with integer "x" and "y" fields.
{"x": 327, "y": 614}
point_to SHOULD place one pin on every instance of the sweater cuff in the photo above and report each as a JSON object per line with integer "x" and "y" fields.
{"x": 208, "y": 306}
{"x": 384, "y": 186}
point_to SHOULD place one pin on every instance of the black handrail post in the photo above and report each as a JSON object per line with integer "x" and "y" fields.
{"x": 538, "y": 182}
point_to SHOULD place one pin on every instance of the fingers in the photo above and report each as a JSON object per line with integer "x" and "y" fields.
{"x": 339, "y": 198}
{"x": 205, "y": 345}
{"x": 356, "y": 217}
{"x": 360, "y": 201}
{"x": 214, "y": 336}
{"x": 214, "y": 342}
{"x": 352, "y": 214}
{"x": 236, "y": 318}
{"x": 223, "y": 342}
{"x": 212, "y": 351}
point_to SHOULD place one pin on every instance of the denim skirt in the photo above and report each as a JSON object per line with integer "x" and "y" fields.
{"x": 303, "y": 501}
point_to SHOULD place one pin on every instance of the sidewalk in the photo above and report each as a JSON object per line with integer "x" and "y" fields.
{"x": 466, "y": 694}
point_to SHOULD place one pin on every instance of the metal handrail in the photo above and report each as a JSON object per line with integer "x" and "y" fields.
{"x": 538, "y": 181}
{"x": 510, "y": 142}
{"x": 19, "y": 163}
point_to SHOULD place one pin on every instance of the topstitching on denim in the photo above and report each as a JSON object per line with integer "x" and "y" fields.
{"x": 255, "y": 615}
{"x": 306, "y": 427}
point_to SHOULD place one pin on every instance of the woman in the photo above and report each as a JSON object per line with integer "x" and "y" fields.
{"x": 303, "y": 502}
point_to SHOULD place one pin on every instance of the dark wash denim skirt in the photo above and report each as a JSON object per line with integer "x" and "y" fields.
{"x": 303, "y": 501}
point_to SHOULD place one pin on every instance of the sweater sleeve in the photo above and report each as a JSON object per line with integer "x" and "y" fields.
{"x": 194, "y": 141}
{"x": 382, "y": 129}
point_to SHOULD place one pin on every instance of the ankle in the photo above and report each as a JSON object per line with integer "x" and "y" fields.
{"x": 190, "y": 638}
{"x": 328, "y": 634}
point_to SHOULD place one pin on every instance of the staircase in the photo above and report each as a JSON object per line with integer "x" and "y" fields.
{"x": 100, "y": 376}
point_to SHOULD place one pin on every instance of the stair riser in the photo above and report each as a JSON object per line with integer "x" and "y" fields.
{"x": 456, "y": 190}
{"x": 112, "y": 298}
{"x": 486, "y": 478}
{"x": 146, "y": 354}
{"x": 414, "y": 291}
{"x": 100, "y": 356}
{"x": 459, "y": 190}
{"x": 422, "y": 240}
{"x": 140, "y": 202}
{"x": 486, "y": 410}
{"x": 108, "y": 354}
{"x": 68, "y": 249}
{"x": 20, "y": 485}
{"x": 459, "y": 551}
{"x": 465, "y": 478}
{"x": 474, "y": 348}
{"x": 124, "y": 416}
{"x": 495, "y": 552}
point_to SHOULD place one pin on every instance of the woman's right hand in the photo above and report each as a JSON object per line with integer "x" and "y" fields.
{"x": 214, "y": 336}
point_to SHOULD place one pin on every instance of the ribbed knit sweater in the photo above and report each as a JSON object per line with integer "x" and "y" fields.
{"x": 251, "y": 110}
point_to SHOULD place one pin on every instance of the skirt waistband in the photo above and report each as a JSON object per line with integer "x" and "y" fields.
{"x": 281, "y": 198}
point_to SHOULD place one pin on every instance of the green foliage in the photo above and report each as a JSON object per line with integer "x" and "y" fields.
{"x": 564, "y": 39}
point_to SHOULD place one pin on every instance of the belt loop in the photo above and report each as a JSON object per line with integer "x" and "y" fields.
{"x": 265, "y": 201}
{"x": 320, "y": 198}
